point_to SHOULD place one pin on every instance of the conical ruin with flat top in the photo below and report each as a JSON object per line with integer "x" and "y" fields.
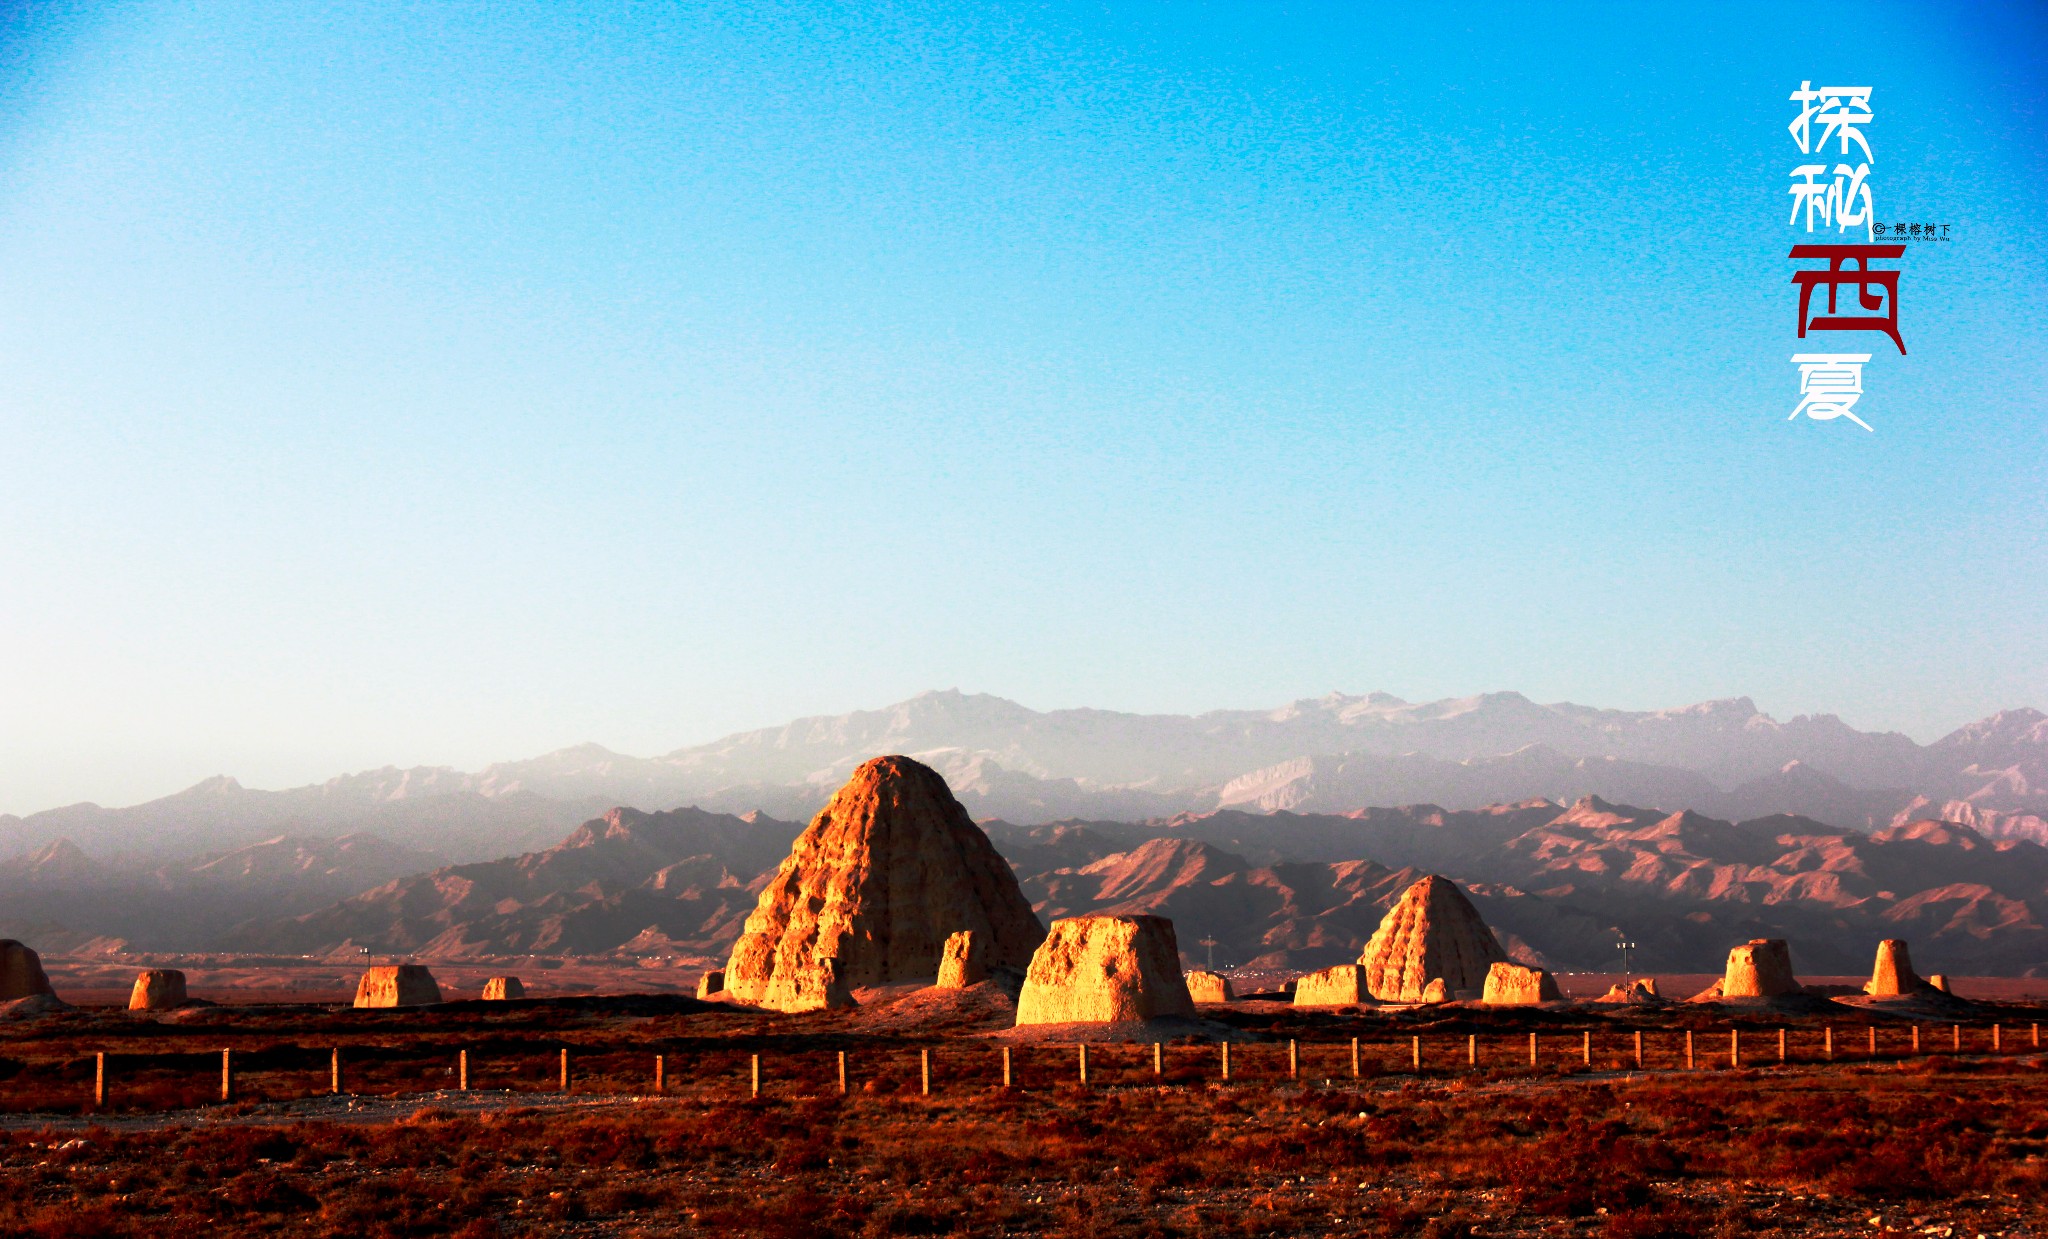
{"x": 872, "y": 890}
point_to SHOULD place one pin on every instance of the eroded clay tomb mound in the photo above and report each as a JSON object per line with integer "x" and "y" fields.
{"x": 888, "y": 871}
{"x": 1105, "y": 970}
{"x": 1432, "y": 933}
{"x": 504, "y": 989}
{"x": 1760, "y": 968}
{"x": 1639, "y": 991}
{"x": 397, "y": 985}
{"x": 1341, "y": 985}
{"x": 21, "y": 972}
{"x": 711, "y": 983}
{"x": 964, "y": 961}
{"x": 1893, "y": 975}
{"x": 1210, "y": 987}
{"x": 1514, "y": 985}
{"x": 158, "y": 989}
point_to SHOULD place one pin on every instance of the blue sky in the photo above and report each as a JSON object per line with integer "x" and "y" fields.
{"x": 446, "y": 383}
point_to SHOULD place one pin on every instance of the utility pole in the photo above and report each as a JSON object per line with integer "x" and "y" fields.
{"x": 1626, "y": 948}
{"x": 1211, "y": 944}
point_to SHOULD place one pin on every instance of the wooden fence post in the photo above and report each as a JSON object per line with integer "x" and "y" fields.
{"x": 842, "y": 1070}
{"x": 1006, "y": 1065}
{"x": 1158, "y": 1061}
{"x": 1958, "y": 1038}
{"x": 661, "y": 1073}
{"x": 227, "y": 1075}
{"x": 1781, "y": 1047}
{"x": 1226, "y": 1060}
{"x": 1532, "y": 1050}
{"x": 1356, "y": 1073}
{"x": 1416, "y": 1052}
{"x": 1472, "y": 1049}
{"x": 1586, "y": 1047}
{"x": 1735, "y": 1047}
{"x": 462, "y": 1070}
{"x": 1639, "y": 1049}
{"x": 1688, "y": 1049}
{"x": 1916, "y": 1038}
{"x": 99, "y": 1080}
{"x": 1997, "y": 1039}
{"x": 334, "y": 1071}
{"x": 1084, "y": 1062}
{"x": 1293, "y": 1059}
{"x": 1828, "y": 1041}
{"x": 2037, "y": 1036}
{"x": 924, "y": 1067}
{"x": 755, "y": 1069}
{"x": 565, "y": 1069}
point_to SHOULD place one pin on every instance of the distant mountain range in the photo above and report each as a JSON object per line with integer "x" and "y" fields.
{"x": 1334, "y": 754}
{"x": 1560, "y": 885}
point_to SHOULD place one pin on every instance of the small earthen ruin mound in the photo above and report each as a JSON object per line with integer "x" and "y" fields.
{"x": 1939, "y": 980}
{"x": 1105, "y": 970}
{"x": 1519, "y": 985}
{"x": 158, "y": 989}
{"x": 21, "y": 972}
{"x": 1760, "y": 968}
{"x": 888, "y": 871}
{"x": 1342, "y": 985}
{"x": 963, "y": 963}
{"x": 711, "y": 984}
{"x": 1431, "y": 933}
{"x": 1436, "y": 991}
{"x": 504, "y": 989}
{"x": 1893, "y": 975}
{"x": 1210, "y": 987}
{"x": 1639, "y": 992}
{"x": 397, "y": 985}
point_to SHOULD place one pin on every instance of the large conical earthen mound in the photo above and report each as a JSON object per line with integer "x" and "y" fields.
{"x": 883, "y": 876}
{"x": 1431, "y": 933}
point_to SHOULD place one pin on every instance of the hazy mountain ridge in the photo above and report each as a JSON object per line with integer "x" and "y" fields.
{"x": 1332, "y": 754}
{"x": 664, "y": 881}
{"x": 1300, "y": 890}
{"x": 60, "y": 896}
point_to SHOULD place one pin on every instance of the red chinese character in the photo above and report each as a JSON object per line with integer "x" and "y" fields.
{"x": 1862, "y": 277}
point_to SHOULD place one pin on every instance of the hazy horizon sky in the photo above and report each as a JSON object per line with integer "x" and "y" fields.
{"x": 441, "y": 384}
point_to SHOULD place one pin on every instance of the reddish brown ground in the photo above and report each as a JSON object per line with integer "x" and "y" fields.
{"x": 1926, "y": 1145}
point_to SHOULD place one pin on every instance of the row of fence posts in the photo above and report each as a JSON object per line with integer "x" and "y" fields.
{"x": 1735, "y": 1059}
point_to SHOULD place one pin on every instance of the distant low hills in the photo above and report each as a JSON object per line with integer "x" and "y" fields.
{"x": 1560, "y": 884}
{"x": 1333, "y": 754}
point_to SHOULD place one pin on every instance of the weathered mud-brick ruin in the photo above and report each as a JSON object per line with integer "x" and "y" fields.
{"x": 504, "y": 989}
{"x": 21, "y": 972}
{"x": 1642, "y": 990}
{"x": 1210, "y": 987}
{"x": 1760, "y": 968}
{"x": 964, "y": 962}
{"x": 711, "y": 984}
{"x": 888, "y": 871}
{"x": 1341, "y": 985}
{"x": 1105, "y": 970}
{"x": 1893, "y": 975}
{"x": 1515, "y": 985}
{"x": 158, "y": 989}
{"x": 1432, "y": 933}
{"x": 397, "y": 985}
